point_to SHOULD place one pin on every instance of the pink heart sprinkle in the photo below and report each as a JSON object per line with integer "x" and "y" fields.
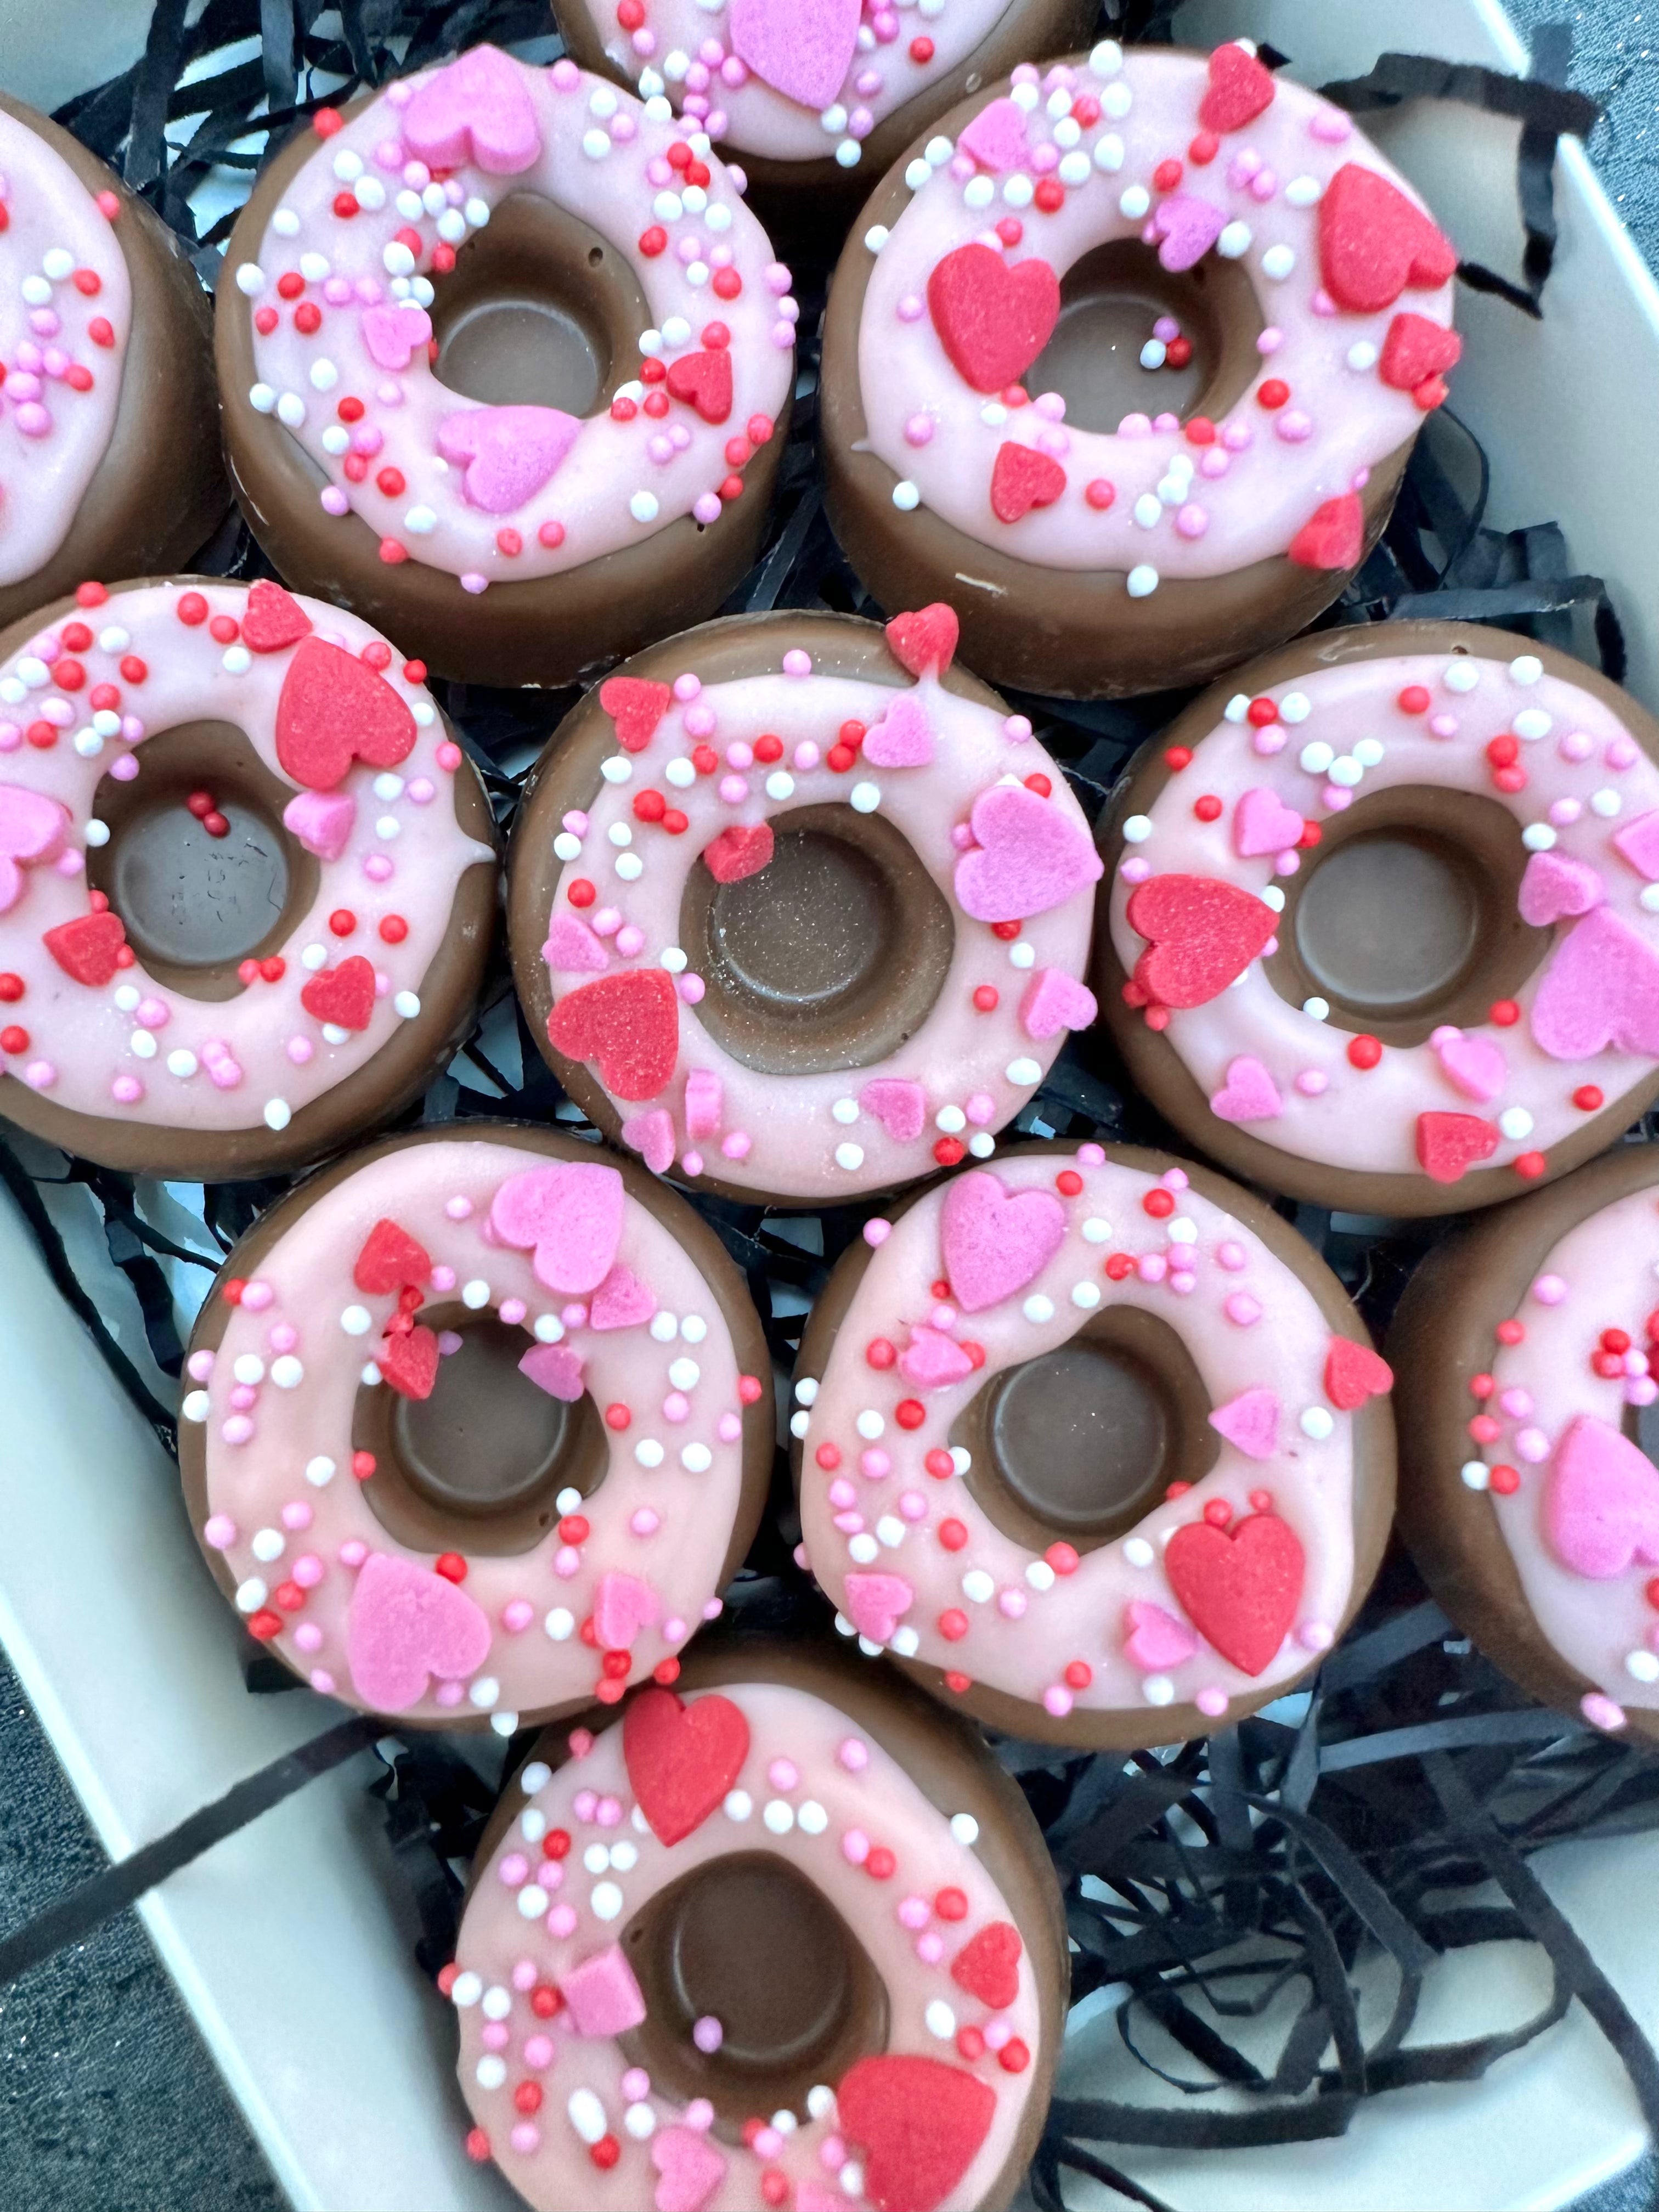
{"x": 623, "y": 1606}
{"x": 567, "y": 1216}
{"x": 875, "y": 1604}
{"x": 1153, "y": 1640}
{"x": 1030, "y": 856}
{"x": 1188, "y": 228}
{"x": 406, "y": 1625}
{"x": 1601, "y": 1502}
{"x": 32, "y": 827}
{"x": 1263, "y": 823}
{"x": 321, "y": 821}
{"x": 691, "y": 2167}
{"x": 996, "y": 137}
{"x": 899, "y": 1106}
{"x": 1556, "y": 886}
{"x": 901, "y": 739}
{"x": 572, "y": 947}
{"x": 555, "y": 1368}
{"x": 621, "y": 1301}
{"x": 994, "y": 1241}
{"x": 509, "y": 451}
{"x": 1473, "y": 1065}
{"x": 1054, "y": 1002}
{"x": 933, "y": 1360}
{"x": 476, "y": 109}
{"x": 1251, "y": 1421}
{"x": 1249, "y": 1093}
{"x": 1638, "y": 840}
{"x": 392, "y": 334}
{"x": 651, "y": 1136}
{"x": 1601, "y": 988}
{"x": 802, "y": 48}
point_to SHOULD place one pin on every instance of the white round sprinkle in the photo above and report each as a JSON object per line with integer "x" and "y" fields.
{"x": 1038, "y": 1309}
{"x": 356, "y": 1320}
{"x": 907, "y": 495}
{"x": 1138, "y": 1552}
{"x": 1141, "y": 581}
{"x": 849, "y": 1156}
{"x": 865, "y": 797}
{"x": 965, "y": 1830}
{"x": 738, "y": 1805}
{"x": 586, "y": 2115}
{"x": 1317, "y": 1423}
{"x": 778, "y": 1816}
{"x": 605, "y": 1901}
{"x": 1235, "y": 241}
{"x": 560, "y": 1624}
{"x": 1526, "y": 668}
{"x": 941, "y": 2021}
{"x": 1157, "y": 1690}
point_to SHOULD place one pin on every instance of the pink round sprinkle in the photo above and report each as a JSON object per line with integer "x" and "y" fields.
{"x": 525, "y": 2137}
{"x": 645, "y": 1522}
{"x": 1010, "y": 1604}
{"x": 514, "y": 1871}
{"x": 1577, "y": 745}
{"x": 635, "y": 2084}
{"x": 852, "y": 1754}
{"x": 1057, "y": 1699}
{"x": 199, "y": 1366}
{"x": 919, "y": 431}
{"x": 1315, "y": 1635}
{"x": 1549, "y": 1290}
{"x": 220, "y": 1532}
{"x": 708, "y": 2034}
{"x": 353, "y": 1552}
{"x": 1242, "y": 1309}
{"x": 877, "y": 1232}
{"x": 1270, "y": 340}
{"x": 797, "y": 663}
{"x": 930, "y": 1947}
{"x": 1211, "y": 1702}
{"x": 1231, "y": 1255}
{"x": 874, "y": 1464}
{"x": 517, "y": 1614}
{"x": 698, "y": 2116}
{"x": 1312, "y": 1082}
{"x": 538, "y": 2048}
{"x": 783, "y": 1774}
{"x": 322, "y": 1681}
{"x": 308, "y": 1571}
{"x": 913, "y": 1506}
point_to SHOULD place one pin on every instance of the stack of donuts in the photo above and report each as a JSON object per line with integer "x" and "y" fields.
{"x": 1124, "y": 357}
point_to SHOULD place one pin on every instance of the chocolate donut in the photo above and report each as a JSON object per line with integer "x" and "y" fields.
{"x": 475, "y": 1392}
{"x": 109, "y": 442}
{"x": 1237, "y": 224}
{"x": 837, "y": 936}
{"x": 247, "y": 878}
{"x": 1094, "y": 1444}
{"x": 1528, "y": 1494}
{"x": 1426, "y": 857}
{"x": 823, "y": 1959}
{"x": 501, "y": 355}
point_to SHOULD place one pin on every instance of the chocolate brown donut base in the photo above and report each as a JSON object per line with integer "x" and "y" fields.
{"x": 159, "y": 491}
{"x": 545, "y": 630}
{"x": 947, "y": 1761}
{"x": 726, "y": 1285}
{"x": 1156, "y": 1068}
{"x": 1442, "y": 1336}
{"x": 1072, "y": 633}
{"x": 1126, "y": 1730}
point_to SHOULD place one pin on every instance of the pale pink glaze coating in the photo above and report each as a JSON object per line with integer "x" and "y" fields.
{"x": 590, "y": 487}
{"x": 147, "y": 1051}
{"x": 1588, "y": 785}
{"x": 285, "y": 1511}
{"x": 62, "y": 384}
{"x": 873, "y": 1511}
{"x": 741, "y": 72}
{"x": 848, "y": 1796}
{"x": 965, "y": 1072}
{"x": 1211, "y": 509}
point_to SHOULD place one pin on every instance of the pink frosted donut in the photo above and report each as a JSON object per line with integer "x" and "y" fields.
{"x": 1384, "y": 925}
{"x": 791, "y": 1939}
{"x": 458, "y": 1398}
{"x": 501, "y": 352}
{"x": 246, "y": 878}
{"x": 792, "y": 924}
{"x": 1094, "y": 1444}
{"x": 1117, "y": 529}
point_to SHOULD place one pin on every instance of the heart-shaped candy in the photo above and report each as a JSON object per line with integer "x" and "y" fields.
{"x": 1638, "y": 840}
{"x": 1251, "y": 1421}
{"x": 1263, "y": 823}
{"x": 1029, "y": 856}
{"x": 343, "y": 995}
{"x": 273, "y": 619}
{"x": 902, "y": 737}
{"x": 391, "y": 1260}
{"x": 1473, "y": 1065}
{"x": 1333, "y": 537}
{"x": 601, "y": 1994}
{"x": 1601, "y": 988}
{"x": 637, "y": 706}
{"x": 32, "y": 828}
{"x": 406, "y": 1625}
{"x": 875, "y": 1604}
{"x": 476, "y": 109}
{"x": 1602, "y": 1502}
{"x": 408, "y": 1361}
{"x": 1353, "y": 1373}
{"x": 1021, "y": 478}
{"x": 623, "y": 1606}
{"x": 1202, "y": 933}
{"x": 681, "y": 1759}
{"x": 932, "y": 1360}
{"x": 1249, "y": 1094}
{"x": 926, "y": 641}
{"x": 1374, "y": 242}
{"x": 508, "y": 452}
{"x": 1555, "y": 887}
{"x": 1415, "y": 350}
{"x": 1054, "y": 1002}
{"x": 690, "y": 2168}
{"x": 621, "y": 1301}
{"x": 1154, "y": 1640}
{"x": 1240, "y": 89}
{"x": 802, "y": 48}
{"x": 572, "y": 948}
{"x": 1240, "y": 1586}
{"x": 321, "y": 821}
{"x": 704, "y": 380}
{"x": 994, "y": 1241}
{"x": 333, "y": 709}
{"x": 569, "y": 1216}
{"x": 898, "y": 1105}
{"x": 1186, "y": 227}
{"x": 993, "y": 317}
{"x": 995, "y": 137}
{"x": 920, "y": 2125}
{"x": 627, "y": 1025}
{"x": 651, "y": 1136}
{"x": 555, "y": 1368}
{"x": 1449, "y": 1144}
{"x": 705, "y": 1103}
{"x": 392, "y": 334}
{"x": 987, "y": 1964}
{"x": 742, "y": 849}
{"x": 89, "y": 948}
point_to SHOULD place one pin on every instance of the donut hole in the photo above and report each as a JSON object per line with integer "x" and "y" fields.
{"x": 746, "y": 1940}
{"x": 1404, "y": 915}
{"x": 539, "y": 311}
{"x": 831, "y": 957}
{"x": 195, "y": 905}
{"x": 1082, "y": 1442}
{"x": 479, "y": 1464}
{"x": 1109, "y": 301}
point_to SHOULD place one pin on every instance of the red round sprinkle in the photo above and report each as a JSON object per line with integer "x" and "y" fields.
{"x": 769, "y": 748}
{"x": 1177, "y": 353}
{"x": 1217, "y": 1513}
{"x": 1013, "y": 2058}
{"x": 939, "y": 1463}
{"x": 1511, "y": 1332}
{"x": 273, "y": 970}
{"x": 326, "y": 121}
{"x": 12, "y": 988}
{"x": 393, "y": 929}
{"x": 1650, "y": 1591}
{"x": 1050, "y": 196}
{"x": 362, "y": 1465}
{"x": 13, "y": 1039}
{"x": 880, "y": 1353}
{"x": 1040, "y": 784}
{"x": 1482, "y": 1386}
{"x": 731, "y": 487}
{"x": 1011, "y": 230}
{"x": 1504, "y": 750}
{"x": 617, "y": 1416}
{"x": 391, "y": 481}
{"x": 950, "y": 1151}
{"x": 616, "y": 1665}
{"x": 1119, "y": 1265}
{"x": 1007, "y": 931}
{"x": 215, "y": 824}
{"x": 953, "y": 1625}
{"x": 1068, "y": 1182}
{"x": 758, "y": 429}
{"x": 308, "y": 319}
{"x": 1167, "y": 175}
{"x": 1079, "y": 1675}
{"x": 102, "y": 331}
{"x": 951, "y": 1905}
{"x": 477, "y": 2145}
{"x": 953, "y": 1534}
{"x": 1208, "y": 809}
{"x": 1260, "y": 713}
{"x": 649, "y": 805}
{"x": 1529, "y": 1166}
{"x": 881, "y": 1865}
{"x": 1204, "y": 149}
{"x": 1062, "y": 1558}
{"x": 1615, "y": 1340}
{"x": 67, "y": 675}
{"x": 76, "y": 637}
{"x": 986, "y": 998}
{"x": 1505, "y": 1480}
{"x": 573, "y": 1528}
{"x": 1413, "y": 700}
{"x": 910, "y": 1413}
{"x": 350, "y": 409}
{"x": 957, "y": 1682}
{"x": 528, "y": 2096}
{"x": 1100, "y": 493}
{"x": 605, "y": 2153}
{"x": 827, "y": 1457}
{"x": 1364, "y": 1051}
{"x": 581, "y": 892}
{"x": 555, "y": 1844}
{"x": 665, "y": 1671}
{"x": 921, "y": 52}
{"x": 726, "y": 284}
{"x": 133, "y": 670}
{"x": 1273, "y": 394}
{"x": 1159, "y": 1203}
{"x": 1505, "y": 1012}
{"x": 1587, "y": 1098}
{"x": 1311, "y": 835}
{"x": 265, "y": 1624}
{"x": 343, "y": 921}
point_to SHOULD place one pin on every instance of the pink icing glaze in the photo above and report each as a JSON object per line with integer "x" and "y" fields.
{"x": 1341, "y": 419}
{"x": 293, "y": 1448}
{"x": 1574, "y": 805}
{"x": 459, "y": 472}
{"x": 227, "y": 1064}
{"x": 723, "y": 57}
{"x": 53, "y": 433}
{"x": 847, "y": 1796}
{"x": 835, "y": 1133}
{"x": 1024, "y": 1623}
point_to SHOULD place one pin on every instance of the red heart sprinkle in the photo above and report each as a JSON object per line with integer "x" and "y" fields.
{"x": 1203, "y": 933}
{"x": 1374, "y": 242}
{"x": 1333, "y": 537}
{"x": 704, "y": 381}
{"x": 1353, "y": 1373}
{"x": 1415, "y": 350}
{"x": 682, "y": 1759}
{"x": 391, "y": 1260}
{"x": 988, "y": 1968}
{"x": 1239, "y": 1586}
{"x": 993, "y": 317}
{"x": 920, "y": 2125}
{"x": 87, "y": 947}
{"x": 1449, "y": 1143}
{"x": 408, "y": 1361}
{"x": 273, "y": 618}
{"x": 628, "y": 1025}
{"x": 742, "y": 850}
{"x": 926, "y": 640}
{"x": 636, "y": 707}
{"x": 1240, "y": 89}
{"x": 343, "y": 995}
{"x": 333, "y": 710}
{"x": 1023, "y": 478}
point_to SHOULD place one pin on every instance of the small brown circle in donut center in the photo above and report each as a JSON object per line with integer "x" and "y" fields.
{"x": 831, "y": 956}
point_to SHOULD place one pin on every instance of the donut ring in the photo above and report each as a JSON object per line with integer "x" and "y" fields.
{"x": 436, "y": 1579}
{"x": 912, "y": 2043}
{"x": 560, "y": 266}
{"x": 900, "y": 1044}
{"x": 227, "y": 944}
{"x": 1527, "y": 1480}
{"x": 995, "y": 1392}
{"x": 1090, "y": 562}
{"x": 109, "y": 453}
{"x": 1502, "y": 1040}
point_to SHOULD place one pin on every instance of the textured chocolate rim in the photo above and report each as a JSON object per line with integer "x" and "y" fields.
{"x": 688, "y": 1228}
{"x": 1122, "y": 1728}
{"x": 1154, "y": 1066}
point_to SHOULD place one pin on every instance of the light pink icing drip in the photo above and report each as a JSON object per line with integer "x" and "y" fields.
{"x": 860, "y": 1791}
{"x": 628, "y": 472}
{"x": 52, "y": 433}
{"x": 1272, "y": 470}
{"x": 88, "y": 1040}
{"x": 1587, "y": 784}
{"x": 535, "y": 1660}
{"x": 696, "y": 53}
{"x": 1250, "y": 1325}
